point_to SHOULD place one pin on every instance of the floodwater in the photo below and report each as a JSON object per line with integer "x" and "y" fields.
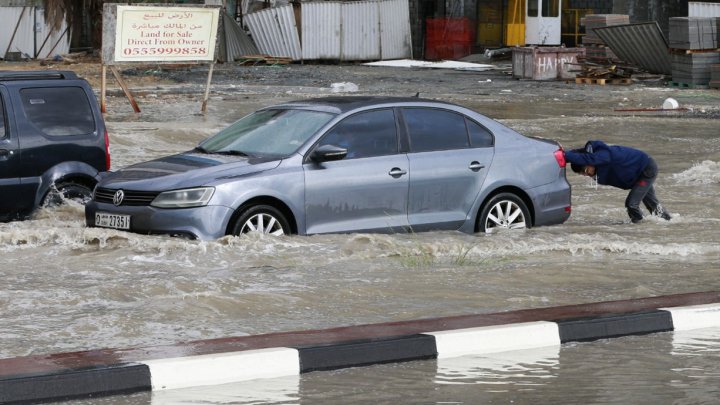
{"x": 665, "y": 368}
{"x": 67, "y": 288}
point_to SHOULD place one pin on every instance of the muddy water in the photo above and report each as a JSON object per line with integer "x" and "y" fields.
{"x": 65, "y": 287}
{"x": 665, "y": 368}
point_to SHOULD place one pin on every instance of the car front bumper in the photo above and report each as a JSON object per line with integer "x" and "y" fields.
{"x": 206, "y": 223}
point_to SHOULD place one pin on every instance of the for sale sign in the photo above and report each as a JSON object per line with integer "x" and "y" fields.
{"x": 165, "y": 34}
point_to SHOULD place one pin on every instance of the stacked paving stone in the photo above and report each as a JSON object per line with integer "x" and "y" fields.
{"x": 694, "y": 49}
{"x": 596, "y": 49}
{"x": 693, "y": 33}
{"x": 715, "y": 76}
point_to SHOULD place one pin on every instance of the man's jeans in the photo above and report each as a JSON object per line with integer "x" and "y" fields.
{"x": 644, "y": 191}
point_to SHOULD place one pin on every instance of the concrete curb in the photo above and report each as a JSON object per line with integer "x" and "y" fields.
{"x": 220, "y": 361}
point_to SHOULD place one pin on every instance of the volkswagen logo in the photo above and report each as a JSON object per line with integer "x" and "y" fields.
{"x": 118, "y": 197}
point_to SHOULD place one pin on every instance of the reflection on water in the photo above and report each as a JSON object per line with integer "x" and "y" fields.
{"x": 521, "y": 368}
{"x": 617, "y": 371}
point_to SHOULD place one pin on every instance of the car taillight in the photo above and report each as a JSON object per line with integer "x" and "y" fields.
{"x": 560, "y": 157}
{"x": 107, "y": 150}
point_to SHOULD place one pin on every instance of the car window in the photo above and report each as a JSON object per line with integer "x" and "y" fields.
{"x": 480, "y": 137}
{"x": 2, "y": 118}
{"x": 58, "y": 111}
{"x": 371, "y": 133}
{"x": 272, "y": 132}
{"x": 434, "y": 129}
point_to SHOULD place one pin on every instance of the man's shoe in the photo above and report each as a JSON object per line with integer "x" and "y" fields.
{"x": 662, "y": 213}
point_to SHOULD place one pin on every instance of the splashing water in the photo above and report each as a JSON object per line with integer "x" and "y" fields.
{"x": 705, "y": 172}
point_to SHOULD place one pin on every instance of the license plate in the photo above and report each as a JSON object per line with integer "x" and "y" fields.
{"x": 106, "y": 220}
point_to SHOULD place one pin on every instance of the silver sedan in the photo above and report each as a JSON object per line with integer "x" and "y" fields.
{"x": 343, "y": 164}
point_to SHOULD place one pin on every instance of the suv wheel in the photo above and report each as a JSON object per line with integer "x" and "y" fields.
{"x": 265, "y": 219}
{"x": 506, "y": 211}
{"x": 60, "y": 193}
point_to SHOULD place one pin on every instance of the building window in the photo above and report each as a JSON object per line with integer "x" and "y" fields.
{"x": 550, "y": 8}
{"x": 532, "y": 8}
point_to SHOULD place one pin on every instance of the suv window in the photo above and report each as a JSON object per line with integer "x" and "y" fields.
{"x": 432, "y": 129}
{"x": 366, "y": 134}
{"x": 58, "y": 111}
{"x": 480, "y": 137}
{"x": 2, "y": 118}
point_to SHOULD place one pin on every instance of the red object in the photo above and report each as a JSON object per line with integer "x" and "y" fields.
{"x": 560, "y": 157}
{"x": 107, "y": 150}
{"x": 448, "y": 38}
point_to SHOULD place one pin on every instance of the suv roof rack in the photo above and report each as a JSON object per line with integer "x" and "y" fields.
{"x": 8, "y": 75}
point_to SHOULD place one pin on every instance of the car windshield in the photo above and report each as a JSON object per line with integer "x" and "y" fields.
{"x": 267, "y": 132}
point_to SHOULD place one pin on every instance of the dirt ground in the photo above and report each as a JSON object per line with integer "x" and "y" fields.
{"x": 495, "y": 89}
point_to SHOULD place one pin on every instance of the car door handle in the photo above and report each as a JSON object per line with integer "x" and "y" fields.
{"x": 397, "y": 172}
{"x": 475, "y": 166}
{"x": 4, "y": 153}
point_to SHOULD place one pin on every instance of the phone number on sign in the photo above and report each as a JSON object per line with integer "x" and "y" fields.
{"x": 164, "y": 51}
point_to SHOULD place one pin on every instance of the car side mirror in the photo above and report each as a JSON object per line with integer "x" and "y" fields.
{"x": 328, "y": 153}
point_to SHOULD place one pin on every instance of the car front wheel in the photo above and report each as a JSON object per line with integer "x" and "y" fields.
{"x": 504, "y": 211}
{"x": 60, "y": 193}
{"x": 263, "y": 219}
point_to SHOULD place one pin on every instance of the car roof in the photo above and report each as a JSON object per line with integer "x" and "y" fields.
{"x": 11, "y": 75}
{"x": 341, "y": 104}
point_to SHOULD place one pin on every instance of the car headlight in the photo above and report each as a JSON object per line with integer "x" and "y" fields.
{"x": 191, "y": 197}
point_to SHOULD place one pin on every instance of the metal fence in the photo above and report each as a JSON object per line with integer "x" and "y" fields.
{"x": 356, "y": 31}
{"x": 24, "y": 34}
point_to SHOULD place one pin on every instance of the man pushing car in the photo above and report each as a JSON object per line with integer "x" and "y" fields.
{"x": 622, "y": 167}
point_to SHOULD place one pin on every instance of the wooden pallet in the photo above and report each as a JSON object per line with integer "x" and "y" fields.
{"x": 692, "y": 51}
{"x": 602, "y": 81}
{"x": 262, "y": 60}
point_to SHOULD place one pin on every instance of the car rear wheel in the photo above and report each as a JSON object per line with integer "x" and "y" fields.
{"x": 60, "y": 193}
{"x": 264, "y": 219}
{"x": 504, "y": 211}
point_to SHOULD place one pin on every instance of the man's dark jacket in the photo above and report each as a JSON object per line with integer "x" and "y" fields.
{"x": 618, "y": 166}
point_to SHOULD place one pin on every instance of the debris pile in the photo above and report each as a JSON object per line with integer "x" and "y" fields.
{"x": 601, "y": 73}
{"x": 600, "y": 64}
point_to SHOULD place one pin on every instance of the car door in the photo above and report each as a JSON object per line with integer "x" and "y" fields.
{"x": 367, "y": 190}
{"x": 9, "y": 162}
{"x": 449, "y": 159}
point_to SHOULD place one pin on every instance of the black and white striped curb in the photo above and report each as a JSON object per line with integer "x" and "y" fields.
{"x": 220, "y": 361}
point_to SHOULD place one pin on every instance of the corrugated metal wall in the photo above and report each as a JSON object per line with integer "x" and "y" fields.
{"x": 367, "y": 30}
{"x": 275, "y": 32}
{"x": 49, "y": 42}
{"x": 321, "y": 30}
{"x": 703, "y": 9}
{"x": 395, "y": 38}
{"x": 641, "y": 44}
{"x": 361, "y": 31}
{"x": 235, "y": 42}
{"x": 26, "y": 40}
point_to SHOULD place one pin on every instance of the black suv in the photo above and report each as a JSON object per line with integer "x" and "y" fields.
{"x": 53, "y": 141}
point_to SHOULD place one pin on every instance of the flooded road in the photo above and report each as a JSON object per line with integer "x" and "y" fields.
{"x": 68, "y": 288}
{"x": 665, "y": 368}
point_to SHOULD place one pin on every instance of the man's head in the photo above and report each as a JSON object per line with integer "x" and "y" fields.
{"x": 588, "y": 170}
